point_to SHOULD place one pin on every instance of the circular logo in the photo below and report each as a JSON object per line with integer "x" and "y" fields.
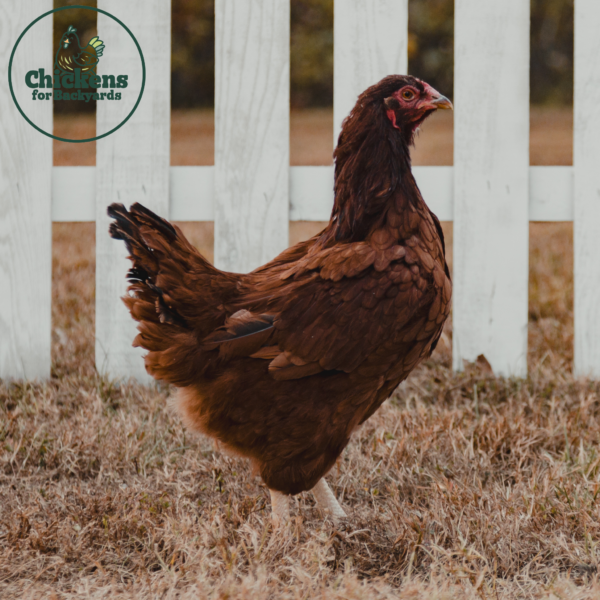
{"x": 76, "y": 75}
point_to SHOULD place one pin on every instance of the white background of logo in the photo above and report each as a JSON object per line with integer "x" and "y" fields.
{"x": 35, "y": 50}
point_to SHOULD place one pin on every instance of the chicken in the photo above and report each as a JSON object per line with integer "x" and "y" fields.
{"x": 71, "y": 55}
{"x": 282, "y": 364}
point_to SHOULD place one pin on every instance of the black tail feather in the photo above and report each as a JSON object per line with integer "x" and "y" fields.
{"x": 126, "y": 227}
{"x": 123, "y": 227}
{"x": 137, "y": 275}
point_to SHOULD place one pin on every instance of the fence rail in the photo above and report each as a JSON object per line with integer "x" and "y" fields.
{"x": 491, "y": 193}
{"x": 192, "y": 193}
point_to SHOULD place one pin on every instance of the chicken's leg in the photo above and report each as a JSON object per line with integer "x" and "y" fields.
{"x": 280, "y": 508}
{"x": 327, "y": 502}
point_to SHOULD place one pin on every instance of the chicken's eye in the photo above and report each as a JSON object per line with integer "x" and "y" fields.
{"x": 408, "y": 94}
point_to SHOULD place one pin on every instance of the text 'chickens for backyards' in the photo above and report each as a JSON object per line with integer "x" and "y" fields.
{"x": 63, "y": 84}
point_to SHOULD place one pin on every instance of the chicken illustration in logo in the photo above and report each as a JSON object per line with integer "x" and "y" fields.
{"x": 71, "y": 55}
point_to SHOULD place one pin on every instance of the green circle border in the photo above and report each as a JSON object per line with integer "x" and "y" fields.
{"x": 54, "y": 137}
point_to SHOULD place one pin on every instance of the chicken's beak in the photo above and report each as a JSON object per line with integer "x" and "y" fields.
{"x": 435, "y": 100}
{"x": 442, "y": 102}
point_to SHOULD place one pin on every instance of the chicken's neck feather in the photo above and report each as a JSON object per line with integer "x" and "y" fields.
{"x": 372, "y": 176}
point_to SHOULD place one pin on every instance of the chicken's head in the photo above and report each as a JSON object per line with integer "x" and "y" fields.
{"x": 69, "y": 42}
{"x": 408, "y": 101}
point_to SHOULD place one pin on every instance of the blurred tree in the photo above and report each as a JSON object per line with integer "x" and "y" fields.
{"x": 431, "y": 48}
{"x": 192, "y": 56}
{"x": 311, "y": 60}
{"x": 552, "y": 51}
{"x": 431, "y": 42}
{"x": 192, "y": 53}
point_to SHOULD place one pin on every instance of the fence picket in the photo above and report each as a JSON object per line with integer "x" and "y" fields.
{"x": 370, "y": 42}
{"x": 491, "y": 167}
{"x": 132, "y": 166}
{"x": 25, "y": 220}
{"x": 586, "y": 153}
{"x": 252, "y": 79}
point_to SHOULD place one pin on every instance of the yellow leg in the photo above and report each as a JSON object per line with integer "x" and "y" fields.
{"x": 327, "y": 502}
{"x": 280, "y": 508}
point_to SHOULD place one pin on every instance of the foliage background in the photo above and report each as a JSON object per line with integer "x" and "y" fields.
{"x": 431, "y": 49}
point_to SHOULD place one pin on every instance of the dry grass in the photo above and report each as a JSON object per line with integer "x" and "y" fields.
{"x": 461, "y": 486}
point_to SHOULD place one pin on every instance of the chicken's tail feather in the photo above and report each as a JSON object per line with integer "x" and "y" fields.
{"x": 126, "y": 225}
{"x": 176, "y": 295}
{"x": 142, "y": 275}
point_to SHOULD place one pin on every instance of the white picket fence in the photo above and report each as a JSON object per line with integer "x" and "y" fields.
{"x": 491, "y": 193}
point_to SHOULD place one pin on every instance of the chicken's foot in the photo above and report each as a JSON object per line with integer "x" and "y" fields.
{"x": 280, "y": 508}
{"x": 327, "y": 502}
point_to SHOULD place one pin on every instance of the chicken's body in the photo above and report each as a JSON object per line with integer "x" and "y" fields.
{"x": 282, "y": 364}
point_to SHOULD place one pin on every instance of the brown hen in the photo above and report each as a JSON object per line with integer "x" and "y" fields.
{"x": 282, "y": 364}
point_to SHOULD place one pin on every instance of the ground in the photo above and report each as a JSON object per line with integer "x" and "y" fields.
{"x": 461, "y": 486}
